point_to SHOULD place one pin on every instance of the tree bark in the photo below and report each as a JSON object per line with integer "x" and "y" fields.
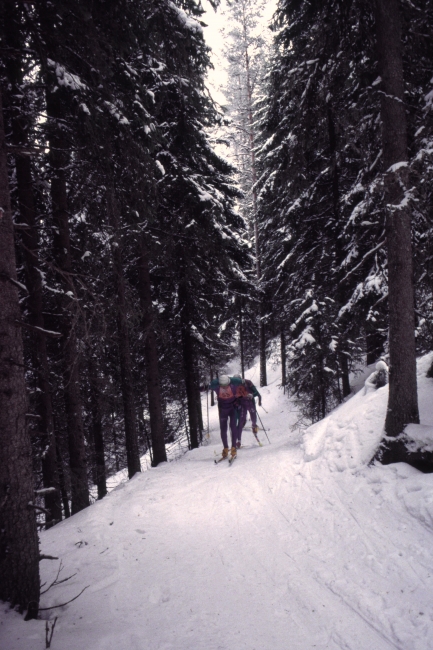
{"x": 30, "y": 240}
{"x": 59, "y": 161}
{"x": 212, "y": 398}
{"x": 241, "y": 338}
{"x": 131, "y": 438}
{"x": 151, "y": 359}
{"x": 283, "y": 358}
{"x": 403, "y": 400}
{"x": 262, "y": 336}
{"x": 19, "y": 552}
{"x": 198, "y": 407}
{"x": 188, "y": 365}
{"x": 335, "y": 178}
{"x": 99, "y": 471}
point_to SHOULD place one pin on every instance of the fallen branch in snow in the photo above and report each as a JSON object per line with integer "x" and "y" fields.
{"x": 49, "y": 633}
{"x": 47, "y": 557}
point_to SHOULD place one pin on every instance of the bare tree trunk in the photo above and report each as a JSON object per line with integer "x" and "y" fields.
{"x": 335, "y": 175}
{"x": 212, "y": 398}
{"x": 241, "y": 338}
{"x": 18, "y": 115}
{"x": 403, "y": 399}
{"x": 262, "y": 336}
{"x": 39, "y": 354}
{"x": 59, "y": 161}
{"x": 63, "y": 490}
{"x": 188, "y": 366}
{"x": 19, "y": 552}
{"x": 283, "y": 358}
{"x": 131, "y": 438}
{"x": 153, "y": 380}
{"x": 99, "y": 470}
{"x": 198, "y": 406}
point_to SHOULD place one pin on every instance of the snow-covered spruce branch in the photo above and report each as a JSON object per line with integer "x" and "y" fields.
{"x": 39, "y": 329}
{"x": 4, "y": 276}
{"x": 366, "y": 256}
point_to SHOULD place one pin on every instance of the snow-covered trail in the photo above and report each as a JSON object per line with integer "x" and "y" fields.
{"x": 288, "y": 549}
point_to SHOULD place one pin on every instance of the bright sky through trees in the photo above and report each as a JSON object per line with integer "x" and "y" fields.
{"x": 217, "y": 23}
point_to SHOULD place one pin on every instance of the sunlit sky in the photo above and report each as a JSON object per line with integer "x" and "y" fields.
{"x": 216, "y": 21}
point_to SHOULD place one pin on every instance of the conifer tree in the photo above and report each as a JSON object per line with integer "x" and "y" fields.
{"x": 19, "y": 552}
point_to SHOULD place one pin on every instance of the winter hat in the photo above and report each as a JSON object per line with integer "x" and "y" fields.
{"x": 224, "y": 380}
{"x": 237, "y": 376}
{"x": 381, "y": 365}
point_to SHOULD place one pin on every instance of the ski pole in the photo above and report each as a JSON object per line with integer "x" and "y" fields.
{"x": 263, "y": 408}
{"x": 263, "y": 426}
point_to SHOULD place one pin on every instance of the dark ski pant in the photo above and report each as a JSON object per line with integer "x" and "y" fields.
{"x": 247, "y": 406}
{"x": 228, "y": 412}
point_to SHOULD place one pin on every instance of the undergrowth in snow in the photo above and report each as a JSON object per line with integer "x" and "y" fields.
{"x": 299, "y": 545}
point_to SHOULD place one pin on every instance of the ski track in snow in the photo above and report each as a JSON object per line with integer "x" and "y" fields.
{"x": 298, "y": 545}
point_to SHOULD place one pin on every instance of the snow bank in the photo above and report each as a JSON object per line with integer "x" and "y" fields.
{"x": 349, "y": 436}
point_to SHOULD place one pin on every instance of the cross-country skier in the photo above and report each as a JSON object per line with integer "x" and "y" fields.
{"x": 226, "y": 391}
{"x": 247, "y": 393}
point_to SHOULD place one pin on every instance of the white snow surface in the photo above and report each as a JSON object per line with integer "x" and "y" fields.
{"x": 298, "y": 545}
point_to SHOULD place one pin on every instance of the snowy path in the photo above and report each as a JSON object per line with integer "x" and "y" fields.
{"x": 273, "y": 553}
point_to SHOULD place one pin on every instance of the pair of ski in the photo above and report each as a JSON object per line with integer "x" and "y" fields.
{"x": 231, "y": 460}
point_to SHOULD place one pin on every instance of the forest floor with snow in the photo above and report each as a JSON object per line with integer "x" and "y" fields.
{"x": 297, "y": 545}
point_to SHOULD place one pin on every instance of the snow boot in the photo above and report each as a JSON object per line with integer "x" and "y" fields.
{"x": 238, "y": 444}
{"x": 225, "y": 452}
{"x": 233, "y": 452}
{"x": 255, "y": 428}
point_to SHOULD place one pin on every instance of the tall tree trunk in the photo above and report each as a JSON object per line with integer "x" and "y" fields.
{"x": 19, "y": 552}
{"x": 188, "y": 365}
{"x": 59, "y": 161}
{"x": 198, "y": 406}
{"x": 153, "y": 380}
{"x": 62, "y": 481}
{"x": 403, "y": 399}
{"x": 212, "y": 398}
{"x": 283, "y": 358}
{"x": 241, "y": 338}
{"x": 131, "y": 438}
{"x": 262, "y": 344}
{"x": 262, "y": 334}
{"x": 39, "y": 354}
{"x": 335, "y": 176}
{"x": 99, "y": 470}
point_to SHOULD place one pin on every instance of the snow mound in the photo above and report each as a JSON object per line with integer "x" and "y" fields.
{"x": 348, "y": 437}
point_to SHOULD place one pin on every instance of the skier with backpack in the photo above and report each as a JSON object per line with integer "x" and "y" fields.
{"x": 226, "y": 391}
{"x": 246, "y": 393}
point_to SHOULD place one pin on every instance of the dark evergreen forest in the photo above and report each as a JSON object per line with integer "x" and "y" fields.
{"x": 129, "y": 276}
